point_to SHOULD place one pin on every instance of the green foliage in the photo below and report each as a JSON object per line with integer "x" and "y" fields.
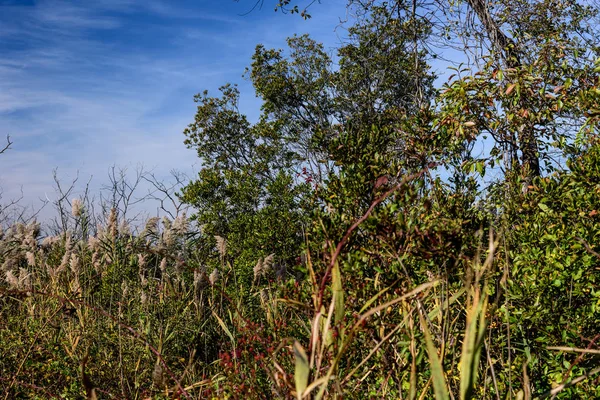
{"x": 343, "y": 245}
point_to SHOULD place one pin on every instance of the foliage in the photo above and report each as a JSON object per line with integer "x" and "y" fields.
{"x": 353, "y": 242}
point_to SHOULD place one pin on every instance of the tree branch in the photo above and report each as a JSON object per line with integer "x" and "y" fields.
{"x": 8, "y": 144}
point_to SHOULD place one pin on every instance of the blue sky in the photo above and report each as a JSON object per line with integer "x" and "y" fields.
{"x": 86, "y": 85}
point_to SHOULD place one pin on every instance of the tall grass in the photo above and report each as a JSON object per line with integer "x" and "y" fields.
{"x": 146, "y": 314}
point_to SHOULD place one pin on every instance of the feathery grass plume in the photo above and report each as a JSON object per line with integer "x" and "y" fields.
{"x": 76, "y": 208}
{"x": 168, "y": 237}
{"x": 143, "y": 298}
{"x": 124, "y": 289}
{"x": 111, "y": 226}
{"x": 11, "y": 279}
{"x": 96, "y": 262}
{"x": 24, "y": 278}
{"x": 30, "y": 259}
{"x": 213, "y": 277}
{"x": 93, "y": 243}
{"x": 124, "y": 228}
{"x": 75, "y": 286}
{"x": 221, "y": 246}
{"x": 75, "y": 264}
{"x": 49, "y": 241}
{"x": 30, "y": 235}
{"x": 180, "y": 267}
{"x": 166, "y": 223}
{"x": 198, "y": 278}
{"x": 101, "y": 233}
{"x": 181, "y": 225}
{"x": 163, "y": 265}
{"x": 141, "y": 259}
{"x": 258, "y": 268}
{"x": 151, "y": 228}
{"x": 8, "y": 265}
{"x": 268, "y": 263}
{"x": 66, "y": 258}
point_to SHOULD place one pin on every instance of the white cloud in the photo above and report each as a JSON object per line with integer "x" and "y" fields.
{"x": 84, "y": 85}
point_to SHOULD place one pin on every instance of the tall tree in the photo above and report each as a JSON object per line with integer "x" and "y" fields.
{"x": 318, "y": 118}
{"x": 541, "y": 44}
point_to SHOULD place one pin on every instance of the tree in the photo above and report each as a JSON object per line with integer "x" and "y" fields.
{"x": 380, "y": 80}
{"x": 541, "y": 45}
{"x": 317, "y": 120}
{"x": 245, "y": 191}
{"x": 288, "y": 6}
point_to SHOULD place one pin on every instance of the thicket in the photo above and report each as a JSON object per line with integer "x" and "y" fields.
{"x": 370, "y": 236}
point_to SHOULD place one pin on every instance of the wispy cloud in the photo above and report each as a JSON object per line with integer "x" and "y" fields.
{"x": 85, "y": 85}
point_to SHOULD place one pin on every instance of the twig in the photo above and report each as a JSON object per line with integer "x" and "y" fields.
{"x": 573, "y": 349}
{"x": 8, "y": 144}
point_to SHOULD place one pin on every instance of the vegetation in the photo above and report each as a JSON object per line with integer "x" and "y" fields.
{"x": 370, "y": 236}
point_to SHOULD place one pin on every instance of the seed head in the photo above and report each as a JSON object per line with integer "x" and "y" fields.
{"x": 112, "y": 223}
{"x": 163, "y": 265}
{"x": 76, "y": 208}
{"x": 30, "y": 259}
{"x": 213, "y": 277}
{"x": 258, "y": 268}
{"x": 221, "y": 246}
{"x": 268, "y": 263}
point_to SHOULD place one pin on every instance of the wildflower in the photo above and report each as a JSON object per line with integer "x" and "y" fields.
{"x": 213, "y": 277}
{"x": 76, "y": 208}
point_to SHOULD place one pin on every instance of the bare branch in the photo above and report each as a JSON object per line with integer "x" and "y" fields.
{"x": 8, "y": 144}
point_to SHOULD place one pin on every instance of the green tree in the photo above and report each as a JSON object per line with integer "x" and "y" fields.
{"x": 245, "y": 191}
{"x": 315, "y": 119}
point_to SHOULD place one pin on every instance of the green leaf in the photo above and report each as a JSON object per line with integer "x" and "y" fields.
{"x": 437, "y": 372}
{"x": 302, "y": 369}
